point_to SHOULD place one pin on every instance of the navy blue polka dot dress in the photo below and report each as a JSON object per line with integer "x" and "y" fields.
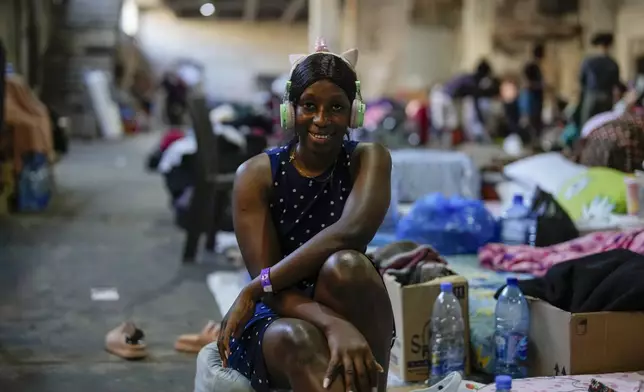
{"x": 300, "y": 207}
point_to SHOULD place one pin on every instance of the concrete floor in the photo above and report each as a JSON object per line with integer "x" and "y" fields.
{"x": 109, "y": 226}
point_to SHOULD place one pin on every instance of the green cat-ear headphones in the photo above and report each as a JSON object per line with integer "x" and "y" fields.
{"x": 287, "y": 110}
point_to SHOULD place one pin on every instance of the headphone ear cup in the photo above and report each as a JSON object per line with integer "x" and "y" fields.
{"x": 358, "y": 109}
{"x": 287, "y": 116}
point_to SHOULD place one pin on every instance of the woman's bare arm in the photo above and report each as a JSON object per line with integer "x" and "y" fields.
{"x": 252, "y": 220}
{"x": 258, "y": 243}
{"x": 363, "y": 214}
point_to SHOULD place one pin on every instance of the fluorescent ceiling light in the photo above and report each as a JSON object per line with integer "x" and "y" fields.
{"x": 207, "y": 9}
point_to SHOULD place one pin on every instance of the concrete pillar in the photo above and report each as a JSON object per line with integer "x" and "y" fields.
{"x": 378, "y": 28}
{"x": 477, "y": 30}
{"x": 565, "y": 60}
{"x": 324, "y": 21}
{"x": 383, "y": 27}
{"x": 350, "y": 26}
{"x": 629, "y": 44}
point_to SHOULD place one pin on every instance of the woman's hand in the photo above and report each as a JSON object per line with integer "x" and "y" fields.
{"x": 350, "y": 350}
{"x": 233, "y": 323}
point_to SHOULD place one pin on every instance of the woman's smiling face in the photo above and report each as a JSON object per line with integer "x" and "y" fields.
{"x": 322, "y": 116}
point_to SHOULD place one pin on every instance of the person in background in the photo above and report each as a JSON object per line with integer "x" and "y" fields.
{"x": 444, "y": 114}
{"x": 599, "y": 78}
{"x": 531, "y": 98}
{"x": 509, "y": 95}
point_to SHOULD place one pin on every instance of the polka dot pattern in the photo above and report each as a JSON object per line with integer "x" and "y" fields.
{"x": 300, "y": 208}
{"x": 304, "y": 206}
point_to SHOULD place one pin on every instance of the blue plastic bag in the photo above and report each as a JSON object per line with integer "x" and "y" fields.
{"x": 451, "y": 225}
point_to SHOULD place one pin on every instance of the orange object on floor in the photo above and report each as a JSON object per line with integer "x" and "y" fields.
{"x": 193, "y": 343}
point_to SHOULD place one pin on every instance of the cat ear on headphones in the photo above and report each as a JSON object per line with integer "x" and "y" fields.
{"x": 351, "y": 56}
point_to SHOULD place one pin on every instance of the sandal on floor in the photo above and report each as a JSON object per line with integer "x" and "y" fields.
{"x": 126, "y": 341}
{"x": 193, "y": 343}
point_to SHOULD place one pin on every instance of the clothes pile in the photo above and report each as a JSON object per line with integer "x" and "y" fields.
{"x": 410, "y": 263}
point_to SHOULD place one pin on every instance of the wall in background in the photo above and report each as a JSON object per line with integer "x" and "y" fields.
{"x": 431, "y": 54}
{"x": 233, "y": 53}
{"x": 629, "y": 36}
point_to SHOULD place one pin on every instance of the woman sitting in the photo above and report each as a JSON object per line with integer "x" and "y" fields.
{"x": 316, "y": 316}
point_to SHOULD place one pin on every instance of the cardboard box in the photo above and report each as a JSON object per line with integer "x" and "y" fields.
{"x": 412, "y": 306}
{"x": 564, "y": 343}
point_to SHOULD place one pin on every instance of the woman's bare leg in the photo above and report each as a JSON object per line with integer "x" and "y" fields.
{"x": 350, "y": 285}
{"x": 297, "y": 356}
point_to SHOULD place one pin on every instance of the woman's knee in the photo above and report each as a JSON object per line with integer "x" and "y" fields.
{"x": 349, "y": 269}
{"x": 294, "y": 341}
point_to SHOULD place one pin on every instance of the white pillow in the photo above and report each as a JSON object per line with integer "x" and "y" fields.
{"x": 549, "y": 171}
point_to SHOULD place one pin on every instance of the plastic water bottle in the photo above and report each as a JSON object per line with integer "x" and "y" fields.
{"x": 503, "y": 383}
{"x": 515, "y": 222}
{"x": 447, "y": 340}
{"x": 511, "y": 331}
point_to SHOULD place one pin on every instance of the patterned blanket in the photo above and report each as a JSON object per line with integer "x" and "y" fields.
{"x": 537, "y": 261}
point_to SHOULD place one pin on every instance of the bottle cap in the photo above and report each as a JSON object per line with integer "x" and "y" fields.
{"x": 503, "y": 383}
{"x": 517, "y": 199}
{"x": 512, "y": 281}
{"x": 446, "y": 287}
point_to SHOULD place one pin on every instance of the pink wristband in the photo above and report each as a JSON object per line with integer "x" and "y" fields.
{"x": 265, "y": 279}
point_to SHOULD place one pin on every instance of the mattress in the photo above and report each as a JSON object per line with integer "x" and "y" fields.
{"x": 483, "y": 283}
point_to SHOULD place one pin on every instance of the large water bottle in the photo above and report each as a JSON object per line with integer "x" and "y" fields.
{"x": 512, "y": 317}
{"x": 515, "y": 222}
{"x": 448, "y": 339}
{"x": 503, "y": 383}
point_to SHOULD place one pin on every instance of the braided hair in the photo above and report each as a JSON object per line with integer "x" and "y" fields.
{"x": 322, "y": 66}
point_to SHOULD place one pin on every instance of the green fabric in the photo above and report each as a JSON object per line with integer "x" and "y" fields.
{"x": 596, "y": 191}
